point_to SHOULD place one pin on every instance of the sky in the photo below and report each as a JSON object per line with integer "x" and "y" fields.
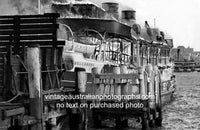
{"x": 178, "y": 18}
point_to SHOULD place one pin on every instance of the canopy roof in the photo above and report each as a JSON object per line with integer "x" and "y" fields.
{"x": 111, "y": 27}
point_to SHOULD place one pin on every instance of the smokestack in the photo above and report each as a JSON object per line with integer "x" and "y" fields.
{"x": 128, "y": 16}
{"x": 111, "y": 8}
{"x": 157, "y": 34}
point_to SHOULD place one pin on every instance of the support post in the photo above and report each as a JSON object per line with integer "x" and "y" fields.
{"x": 117, "y": 87}
{"x": 9, "y": 68}
{"x": 142, "y": 82}
{"x": 82, "y": 81}
{"x": 138, "y": 53}
{"x": 148, "y": 55}
{"x": 34, "y": 77}
{"x": 78, "y": 117}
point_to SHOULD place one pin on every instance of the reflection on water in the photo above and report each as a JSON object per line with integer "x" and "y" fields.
{"x": 183, "y": 113}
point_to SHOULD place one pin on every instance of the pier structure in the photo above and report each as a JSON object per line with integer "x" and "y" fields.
{"x": 31, "y": 67}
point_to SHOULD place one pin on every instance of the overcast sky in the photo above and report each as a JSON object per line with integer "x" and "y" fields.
{"x": 179, "y": 18}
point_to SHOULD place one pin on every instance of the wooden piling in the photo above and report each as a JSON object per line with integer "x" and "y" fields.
{"x": 34, "y": 81}
{"x": 124, "y": 87}
{"x": 142, "y": 82}
{"x": 98, "y": 89}
{"x": 78, "y": 116}
{"x": 107, "y": 89}
{"x": 117, "y": 89}
{"x": 124, "y": 91}
{"x": 158, "y": 120}
{"x": 157, "y": 85}
{"x": 82, "y": 80}
{"x": 151, "y": 89}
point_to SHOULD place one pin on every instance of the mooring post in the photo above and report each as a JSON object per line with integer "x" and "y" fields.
{"x": 124, "y": 90}
{"x": 82, "y": 81}
{"x": 117, "y": 89}
{"x": 142, "y": 82}
{"x": 78, "y": 117}
{"x": 34, "y": 81}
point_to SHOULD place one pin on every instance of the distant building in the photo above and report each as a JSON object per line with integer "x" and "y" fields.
{"x": 183, "y": 54}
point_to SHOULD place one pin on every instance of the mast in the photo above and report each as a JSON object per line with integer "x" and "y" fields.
{"x": 39, "y": 7}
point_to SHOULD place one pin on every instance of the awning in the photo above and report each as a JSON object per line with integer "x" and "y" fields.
{"x": 111, "y": 27}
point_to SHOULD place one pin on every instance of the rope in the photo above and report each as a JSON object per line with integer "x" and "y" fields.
{"x": 12, "y": 99}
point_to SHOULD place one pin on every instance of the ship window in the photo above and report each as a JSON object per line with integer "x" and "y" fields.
{"x": 164, "y": 55}
{"x": 90, "y": 43}
{"x": 118, "y": 51}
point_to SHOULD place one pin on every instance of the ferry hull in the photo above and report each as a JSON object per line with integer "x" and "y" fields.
{"x": 167, "y": 96}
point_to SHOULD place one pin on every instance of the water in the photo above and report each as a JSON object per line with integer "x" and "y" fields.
{"x": 183, "y": 113}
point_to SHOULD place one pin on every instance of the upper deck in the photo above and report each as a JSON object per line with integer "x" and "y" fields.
{"x": 78, "y": 9}
{"x": 95, "y": 34}
{"x": 111, "y": 27}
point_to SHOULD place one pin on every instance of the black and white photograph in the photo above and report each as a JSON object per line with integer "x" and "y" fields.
{"x": 99, "y": 65}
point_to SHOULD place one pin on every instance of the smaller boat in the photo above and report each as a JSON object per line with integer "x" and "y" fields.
{"x": 185, "y": 66}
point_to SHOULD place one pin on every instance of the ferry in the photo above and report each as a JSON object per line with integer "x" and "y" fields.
{"x": 106, "y": 55}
